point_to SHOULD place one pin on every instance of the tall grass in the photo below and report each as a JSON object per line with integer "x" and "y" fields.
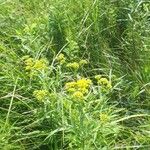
{"x": 113, "y": 36}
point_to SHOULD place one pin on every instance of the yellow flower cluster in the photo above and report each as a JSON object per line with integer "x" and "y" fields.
{"x": 72, "y": 65}
{"x": 61, "y": 58}
{"x": 75, "y": 65}
{"x": 29, "y": 63}
{"x": 104, "y": 118}
{"x": 70, "y": 85}
{"x": 78, "y": 95}
{"x": 97, "y": 77}
{"x": 40, "y": 94}
{"x": 40, "y": 64}
{"x": 84, "y": 83}
{"x": 32, "y": 64}
{"x": 103, "y": 82}
{"x": 83, "y": 62}
{"x": 78, "y": 88}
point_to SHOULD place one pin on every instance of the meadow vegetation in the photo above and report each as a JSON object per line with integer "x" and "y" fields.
{"x": 74, "y": 74}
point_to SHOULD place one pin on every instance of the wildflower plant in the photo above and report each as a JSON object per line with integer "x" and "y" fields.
{"x": 74, "y": 66}
{"x": 78, "y": 95}
{"x": 50, "y": 99}
{"x": 61, "y": 58}
{"x": 83, "y": 62}
{"x": 78, "y": 88}
{"x": 33, "y": 66}
{"x": 40, "y": 94}
{"x": 40, "y": 64}
{"x": 104, "y": 83}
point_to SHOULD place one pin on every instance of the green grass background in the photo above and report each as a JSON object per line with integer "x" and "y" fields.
{"x": 114, "y": 35}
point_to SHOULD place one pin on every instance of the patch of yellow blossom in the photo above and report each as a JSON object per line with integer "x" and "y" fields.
{"x": 109, "y": 86}
{"x": 33, "y": 64}
{"x": 84, "y": 83}
{"x": 71, "y": 90}
{"x": 76, "y": 65}
{"x": 73, "y": 65}
{"x": 40, "y": 94}
{"x": 61, "y": 58}
{"x": 97, "y": 77}
{"x": 29, "y": 62}
{"x": 40, "y": 64}
{"x": 78, "y": 95}
{"x": 103, "y": 82}
{"x": 84, "y": 90}
{"x": 78, "y": 88}
{"x": 70, "y": 85}
{"x": 83, "y": 62}
{"x": 104, "y": 118}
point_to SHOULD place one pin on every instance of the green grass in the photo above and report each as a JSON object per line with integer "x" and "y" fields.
{"x": 113, "y": 36}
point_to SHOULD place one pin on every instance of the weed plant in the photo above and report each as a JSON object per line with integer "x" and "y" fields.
{"x": 74, "y": 75}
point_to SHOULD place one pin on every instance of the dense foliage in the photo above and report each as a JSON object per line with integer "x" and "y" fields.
{"x": 74, "y": 74}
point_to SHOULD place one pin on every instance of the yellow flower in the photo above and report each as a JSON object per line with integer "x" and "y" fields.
{"x": 78, "y": 95}
{"x": 70, "y": 85}
{"x": 29, "y": 63}
{"x": 32, "y": 64}
{"x": 83, "y": 62}
{"x": 97, "y": 77}
{"x": 83, "y": 90}
{"x": 71, "y": 90}
{"x": 109, "y": 86}
{"x": 61, "y": 58}
{"x": 40, "y": 94}
{"x": 40, "y": 64}
{"x": 106, "y": 85}
{"x": 89, "y": 81}
{"x": 103, "y": 81}
{"x": 73, "y": 65}
{"x": 83, "y": 83}
{"x": 104, "y": 118}
{"x": 78, "y": 88}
